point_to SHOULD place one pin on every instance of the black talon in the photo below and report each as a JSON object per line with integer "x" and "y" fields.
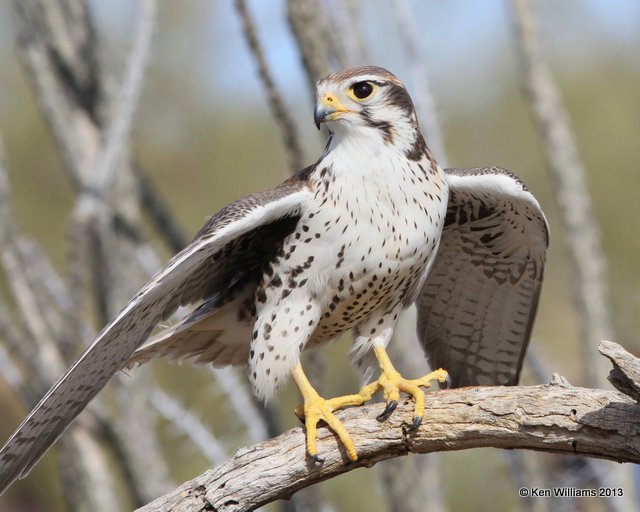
{"x": 315, "y": 458}
{"x": 447, "y": 384}
{"x": 417, "y": 421}
{"x": 301, "y": 415}
{"x": 391, "y": 406}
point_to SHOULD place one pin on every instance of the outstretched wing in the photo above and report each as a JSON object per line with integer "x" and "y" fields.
{"x": 477, "y": 307}
{"x": 225, "y": 254}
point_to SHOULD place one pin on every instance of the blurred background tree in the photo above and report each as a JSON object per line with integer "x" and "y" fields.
{"x": 204, "y": 134}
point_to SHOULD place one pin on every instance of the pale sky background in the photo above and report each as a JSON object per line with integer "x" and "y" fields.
{"x": 465, "y": 45}
{"x": 454, "y": 30}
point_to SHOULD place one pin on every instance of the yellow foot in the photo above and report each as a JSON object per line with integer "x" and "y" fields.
{"x": 391, "y": 382}
{"x": 316, "y": 408}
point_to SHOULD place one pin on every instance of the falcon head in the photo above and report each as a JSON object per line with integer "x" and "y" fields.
{"x": 364, "y": 99}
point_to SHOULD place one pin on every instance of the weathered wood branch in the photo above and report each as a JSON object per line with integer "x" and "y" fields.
{"x": 625, "y": 375}
{"x": 556, "y": 418}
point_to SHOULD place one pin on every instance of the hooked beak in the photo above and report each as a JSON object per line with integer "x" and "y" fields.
{"x": 327, "y": 109}
{"x": 319, "y": 114}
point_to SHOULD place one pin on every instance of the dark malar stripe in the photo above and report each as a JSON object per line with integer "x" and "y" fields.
{"x": 384, "y": 126}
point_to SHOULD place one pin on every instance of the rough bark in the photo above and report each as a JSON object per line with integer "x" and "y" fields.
{"x": 625, "y": 375}
{"x": 556, "y": 418}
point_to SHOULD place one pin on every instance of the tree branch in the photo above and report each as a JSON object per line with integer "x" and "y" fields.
{"x": 625, "y": 375}
{"x": 276, "y": 103}
{"x": 556, "y": 418}
{"x": 319, "y": 46}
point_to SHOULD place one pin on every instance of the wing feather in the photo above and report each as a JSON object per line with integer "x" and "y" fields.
{"x": 217, "y": 332}
{"x": 209, "y": 265}
{"x": 476, "y": 309}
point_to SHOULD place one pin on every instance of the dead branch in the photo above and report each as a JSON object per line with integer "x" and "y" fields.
{"x": 158, "y": 211}
{"x": 59, "y": 48}
{"x": 625, "y": 375}
{"x": 56, "y": 42}
{"x": 185, "y": 421}
{"x": 318, "y": 45}
{"x": 274, "y": 98}
{"x": 117, "y": 133}
{"x": 346, "y": 20}
{"x": 42, "y": 354}
{"x": 555, "y": 418}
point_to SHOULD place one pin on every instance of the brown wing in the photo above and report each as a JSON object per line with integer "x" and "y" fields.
{"x": 225, "y": 254}
{"x": 477, "y": 307}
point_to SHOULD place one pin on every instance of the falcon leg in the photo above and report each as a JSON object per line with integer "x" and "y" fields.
{"x": 391, "y": 382}
{"x": 316, "y": 408}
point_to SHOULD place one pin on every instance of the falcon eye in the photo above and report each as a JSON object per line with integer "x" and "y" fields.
{"x": 362, "y": 90}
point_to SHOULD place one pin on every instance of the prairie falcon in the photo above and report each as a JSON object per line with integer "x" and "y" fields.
{"x": 346, "y": 244}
